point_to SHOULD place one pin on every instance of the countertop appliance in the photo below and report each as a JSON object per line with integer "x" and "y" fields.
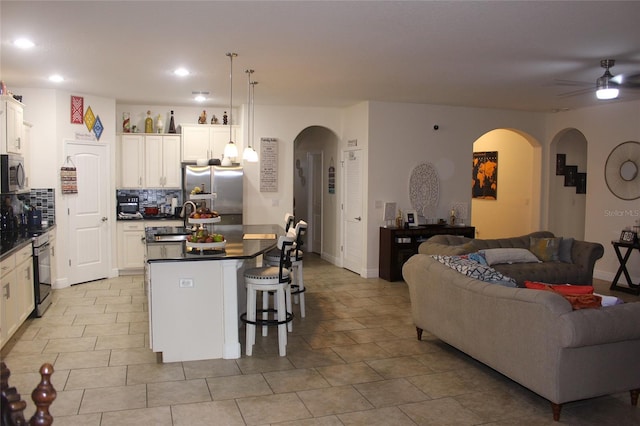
{"x": 225, "y": 182}
{"x": 14, "y": 176}
{"x": 42, "y": 272}
{"x": 128, "y": 204}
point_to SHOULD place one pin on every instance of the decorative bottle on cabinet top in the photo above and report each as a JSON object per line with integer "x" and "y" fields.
{"x": 172, "y": 124}
{"x": 159, "y": 124}
{"x": 148, "y": 123}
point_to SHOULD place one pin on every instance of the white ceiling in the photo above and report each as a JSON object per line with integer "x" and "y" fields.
{"x": 324, "y": 53}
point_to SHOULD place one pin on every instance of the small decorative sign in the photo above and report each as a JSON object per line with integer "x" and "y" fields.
{"x": 98, "y": 127}
{"x": 77, "y": 107}
{"x": 268, "y": 165}
{"x": 352, "y": 143}
{"x": 89, "y": 119}
{"x": 69, "y": 177}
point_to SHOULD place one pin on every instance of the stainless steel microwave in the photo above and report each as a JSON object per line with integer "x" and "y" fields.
{"x": 14, "y": 176}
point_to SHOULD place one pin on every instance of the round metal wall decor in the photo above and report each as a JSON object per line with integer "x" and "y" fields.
{"x": 622, "y": 171}
{"x": 424, "y": 189}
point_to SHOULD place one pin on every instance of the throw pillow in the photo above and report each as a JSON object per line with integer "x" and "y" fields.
{"x": 546, "y": 249}
{"x": 477, "y": 257}
{"x": 508, "y": 255}
{"x": 475, "y": 270}
{"x": 564, "y": 254}
{"x": 560, "y": 288}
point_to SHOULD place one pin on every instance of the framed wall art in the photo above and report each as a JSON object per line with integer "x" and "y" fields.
{"x": 485, "y": 175}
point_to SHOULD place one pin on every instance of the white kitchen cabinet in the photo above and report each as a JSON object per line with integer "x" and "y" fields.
{"x": 12, "y": 135}
{"x": 162, "y": 161}
{"x": 24, "y": 277}
{"x": 131, "y": 161}
{"x": 16, "y": 299}
{"x": 164, "y": 250}
{"x": 205, "y": 141}
{"x": 131, "y": 244}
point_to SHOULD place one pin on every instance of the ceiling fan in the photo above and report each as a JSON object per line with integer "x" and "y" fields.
{"x": 607, "y": 85}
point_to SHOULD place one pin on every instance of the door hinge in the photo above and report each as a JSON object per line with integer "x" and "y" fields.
{"x": 68, "y": 211}
{"x": 69, "y": 262}
{"x": 341, "y": 248}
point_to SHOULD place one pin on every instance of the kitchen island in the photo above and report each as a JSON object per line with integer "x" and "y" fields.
{"x": 196, "y": 297}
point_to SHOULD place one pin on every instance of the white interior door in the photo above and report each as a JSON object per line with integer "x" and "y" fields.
{"x": 88, "y": 213}
{"x": 352, "y": 211}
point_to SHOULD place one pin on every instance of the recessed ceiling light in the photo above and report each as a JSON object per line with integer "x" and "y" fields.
{"x": 181, "y": 72}
{"x": 200, "y": 96}
{"x": 23, "y": 43}
{"x": 56, "y": 78}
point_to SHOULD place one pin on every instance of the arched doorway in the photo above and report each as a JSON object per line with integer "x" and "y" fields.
{"x": 567, "y": 202}
{"x": 516, "y": 209}
{"x": 315, "y": 150}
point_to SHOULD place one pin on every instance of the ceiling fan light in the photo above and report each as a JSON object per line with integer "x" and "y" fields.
{"x": 607, "y": 93}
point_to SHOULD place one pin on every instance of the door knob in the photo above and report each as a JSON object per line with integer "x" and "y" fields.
{"x": 104, "y": 218}
{"x": 358, "y": 218}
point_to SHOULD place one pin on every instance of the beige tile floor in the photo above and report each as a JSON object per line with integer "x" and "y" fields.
{"x": 354, "y": 360}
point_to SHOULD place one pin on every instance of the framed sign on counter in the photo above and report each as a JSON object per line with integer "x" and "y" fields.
{"x": 268, "y": 165}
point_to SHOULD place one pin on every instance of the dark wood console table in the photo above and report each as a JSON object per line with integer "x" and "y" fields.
{"x": 633, "y": 288}
{"x": 397, "y": 245}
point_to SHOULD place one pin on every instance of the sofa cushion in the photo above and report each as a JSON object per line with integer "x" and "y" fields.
{"x": 446, "y": 249}
{"x": 475, "y": 270}
{"x": 564, "y": 254}
{"x": 508, "y": 255}
{"x": 546, "y": 249}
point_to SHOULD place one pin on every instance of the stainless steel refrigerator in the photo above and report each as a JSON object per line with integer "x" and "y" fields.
{"x": 225, "y": 182}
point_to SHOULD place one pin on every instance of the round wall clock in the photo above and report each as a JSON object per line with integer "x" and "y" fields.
{"x": 622, "y": 171}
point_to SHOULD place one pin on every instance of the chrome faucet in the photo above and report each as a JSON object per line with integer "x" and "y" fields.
{"x": 182, "y": 213}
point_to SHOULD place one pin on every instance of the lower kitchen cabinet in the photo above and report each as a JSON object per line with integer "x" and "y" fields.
{"x": 130, "y": 244}
{"x": 17, "y": 300}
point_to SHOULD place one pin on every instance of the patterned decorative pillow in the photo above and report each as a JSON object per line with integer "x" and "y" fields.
{"x": 564, "y": 254}
{"x": 546, "y": 249}
{"x": 475, "y": 270}
{"x": 476, "y": 257}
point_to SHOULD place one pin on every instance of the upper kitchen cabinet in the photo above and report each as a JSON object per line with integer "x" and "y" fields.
{"x": 205, "y": 140}
{"x": 131, "y": 161}
{"x": 12, "y": 135}
{"x": 149, "y": 161}
{"x": 162, "y": 161}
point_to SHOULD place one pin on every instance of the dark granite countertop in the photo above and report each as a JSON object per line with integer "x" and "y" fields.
{"x": 242, "y": 242}
{"x": 20, "y": 240}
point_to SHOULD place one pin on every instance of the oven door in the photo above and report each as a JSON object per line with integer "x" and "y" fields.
{"x": 42, "y": 281}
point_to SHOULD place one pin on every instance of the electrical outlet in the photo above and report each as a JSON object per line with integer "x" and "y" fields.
{"x": 186, "y": 283}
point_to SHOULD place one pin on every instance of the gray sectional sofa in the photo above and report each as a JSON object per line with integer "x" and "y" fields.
{"x": 533, "y": 337}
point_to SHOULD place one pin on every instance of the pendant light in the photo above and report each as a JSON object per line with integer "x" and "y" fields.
{"x": 230, "y": 150}
{"x": 250, "y": 155}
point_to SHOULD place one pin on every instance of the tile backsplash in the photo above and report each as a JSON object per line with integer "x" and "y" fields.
{"x": 44, "y": 199}
{"x": 152, "y": 197}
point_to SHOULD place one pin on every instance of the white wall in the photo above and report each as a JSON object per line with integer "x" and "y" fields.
{"x": 402, "y": 136}
{"x": 604, "y": 127}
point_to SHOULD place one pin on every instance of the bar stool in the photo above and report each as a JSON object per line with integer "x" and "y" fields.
{"x": 268, "y": 279}
{"x": 297, "y": 285}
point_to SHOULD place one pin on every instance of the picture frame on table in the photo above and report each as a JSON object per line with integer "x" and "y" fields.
{"x": 627, "y": 236}
{"x": 411, "y": 218}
